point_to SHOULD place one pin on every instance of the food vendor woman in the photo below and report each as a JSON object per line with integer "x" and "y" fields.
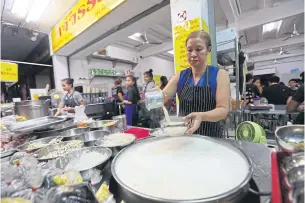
{"x": 203, "y": 90}
{"x": 71, "y": 99}
{"x": 131, "y": 99}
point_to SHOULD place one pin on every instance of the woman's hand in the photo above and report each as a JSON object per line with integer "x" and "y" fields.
{"x": 194, "y": 120}
{"x": 67, "y": 108}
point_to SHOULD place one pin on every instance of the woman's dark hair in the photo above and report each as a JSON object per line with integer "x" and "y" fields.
{"x": 68, "y": 81}
{"x": 135, "y": 86}
{"x": 281, "y": 83}
{"x": 164, "y": 81}
{"x": 149, "y": 73}
{"x": 118, "y": 81}
{"x": 249, "y": 77}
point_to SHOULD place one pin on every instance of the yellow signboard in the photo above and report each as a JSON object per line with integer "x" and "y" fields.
{"x": 180, "y": 33}
{"x": 80, "y": 17}
{"x": 157, "y": 80}
{"x": 9, "y": 72}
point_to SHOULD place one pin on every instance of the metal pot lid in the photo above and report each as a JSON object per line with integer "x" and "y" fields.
{"x": 187, "y": 168}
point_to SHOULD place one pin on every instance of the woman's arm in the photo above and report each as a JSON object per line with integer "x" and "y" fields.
{"x": 120, "y": 93}
{"x": 60, "y": 106}
{"x": 171, "y": 88}
{"x": 222, "y": 99}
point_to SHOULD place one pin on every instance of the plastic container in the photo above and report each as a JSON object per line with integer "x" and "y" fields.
{"x": 154, "y": 99}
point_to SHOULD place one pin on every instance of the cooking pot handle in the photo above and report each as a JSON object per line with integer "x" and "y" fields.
{"x": 48, "y": 100}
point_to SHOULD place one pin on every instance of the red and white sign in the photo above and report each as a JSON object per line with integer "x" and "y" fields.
{"x": 182, "y": 16}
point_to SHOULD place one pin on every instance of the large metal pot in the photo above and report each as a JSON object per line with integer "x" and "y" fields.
{"x": 101, "y": 125}
{"x": 127, "y": 191}
{"x": 32, "y": 108}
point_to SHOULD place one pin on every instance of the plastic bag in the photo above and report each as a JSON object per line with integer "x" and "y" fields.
{"x": 78, "y": 193}
{"x": 35, "y": 196}
{"x": 17, "y": 156}
{"x": 68, "y": 178}
{"x": 103, "y": 195}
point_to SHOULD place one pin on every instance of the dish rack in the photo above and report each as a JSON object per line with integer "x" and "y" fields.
{"x": 280, "y": 194}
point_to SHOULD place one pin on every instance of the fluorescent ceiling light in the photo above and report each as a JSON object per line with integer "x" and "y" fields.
{"x": 20, "y": 7}
{"x": 37, "y": 9}
{"x": 171, "y": 52}
{"x": 272, "y": 26}
{"x": 136, "y": 36}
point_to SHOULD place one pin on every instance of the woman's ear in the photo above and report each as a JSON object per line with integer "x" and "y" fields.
{"x": 209, "y": 49}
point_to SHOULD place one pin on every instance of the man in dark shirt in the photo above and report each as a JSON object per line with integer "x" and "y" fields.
{"x": 293, "y": 86}
{"x": 276, "y": 94}
{"x": 250, "y": 87}
{"x": 296, "y": 104}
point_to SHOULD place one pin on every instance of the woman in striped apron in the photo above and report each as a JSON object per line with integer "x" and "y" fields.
{"x": 203, "y": 91}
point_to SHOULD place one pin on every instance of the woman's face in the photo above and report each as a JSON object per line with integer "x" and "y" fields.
{"x": 197, "y": 52}
{"x": 146, "y": 78}
{"x": 129, "y": 82}
{"x": 65, "y": 86}
{"x": 257, "y": 83}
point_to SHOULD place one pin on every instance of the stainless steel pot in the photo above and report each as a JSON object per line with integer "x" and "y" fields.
{"x": 100, "y": 125}
{"x": 89, "y": 138}
{"x": 73, "y": 133}
{"x": 131, "y": 195}
{"x": 122, "y": 122}
{"x": 32, "y": 108}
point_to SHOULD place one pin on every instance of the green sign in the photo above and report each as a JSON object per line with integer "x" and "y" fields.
{"x": 104, "y": 72}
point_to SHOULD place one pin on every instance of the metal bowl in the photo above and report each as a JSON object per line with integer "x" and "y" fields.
{"x": 174, "y": 121}
{"x": 89, "y": 138}
{"x": 290, "y": 137}
{"x": 63, "y": 161}
{"x": 99, "y": 125}
{"x": 45, "y": 141}
{"x": 115, "y": 148}
{"x": 39, "y": 154}
{"x": 73, "y": 133}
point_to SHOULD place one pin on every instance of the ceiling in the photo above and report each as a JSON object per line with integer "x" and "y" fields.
{"x": 228, "y": 13}
{"x": 18, "y": 46}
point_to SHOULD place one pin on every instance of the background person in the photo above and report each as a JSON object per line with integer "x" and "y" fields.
{"x": 297, "y": 104}
{"x": 276, "y": 94}
{"x": 131, "y": 99}
{"x": 71, "y": 99}
{"x": 204, "y": 91}
{"x": 163, "y": 82}
{"x": 118, "y": 95}
{"x": 258, "y": 84}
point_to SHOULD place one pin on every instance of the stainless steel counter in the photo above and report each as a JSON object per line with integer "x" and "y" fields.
{"x": 261, "y": 159}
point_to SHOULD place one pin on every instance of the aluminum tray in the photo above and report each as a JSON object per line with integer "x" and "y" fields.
{"x": 8, "y": 153}
{"x": 43, "y": 141}
{"x": 34, "y": 124}
{"x": 52, "y": 148}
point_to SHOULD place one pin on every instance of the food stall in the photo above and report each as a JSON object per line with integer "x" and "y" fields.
{"x": 91, "y": 160}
